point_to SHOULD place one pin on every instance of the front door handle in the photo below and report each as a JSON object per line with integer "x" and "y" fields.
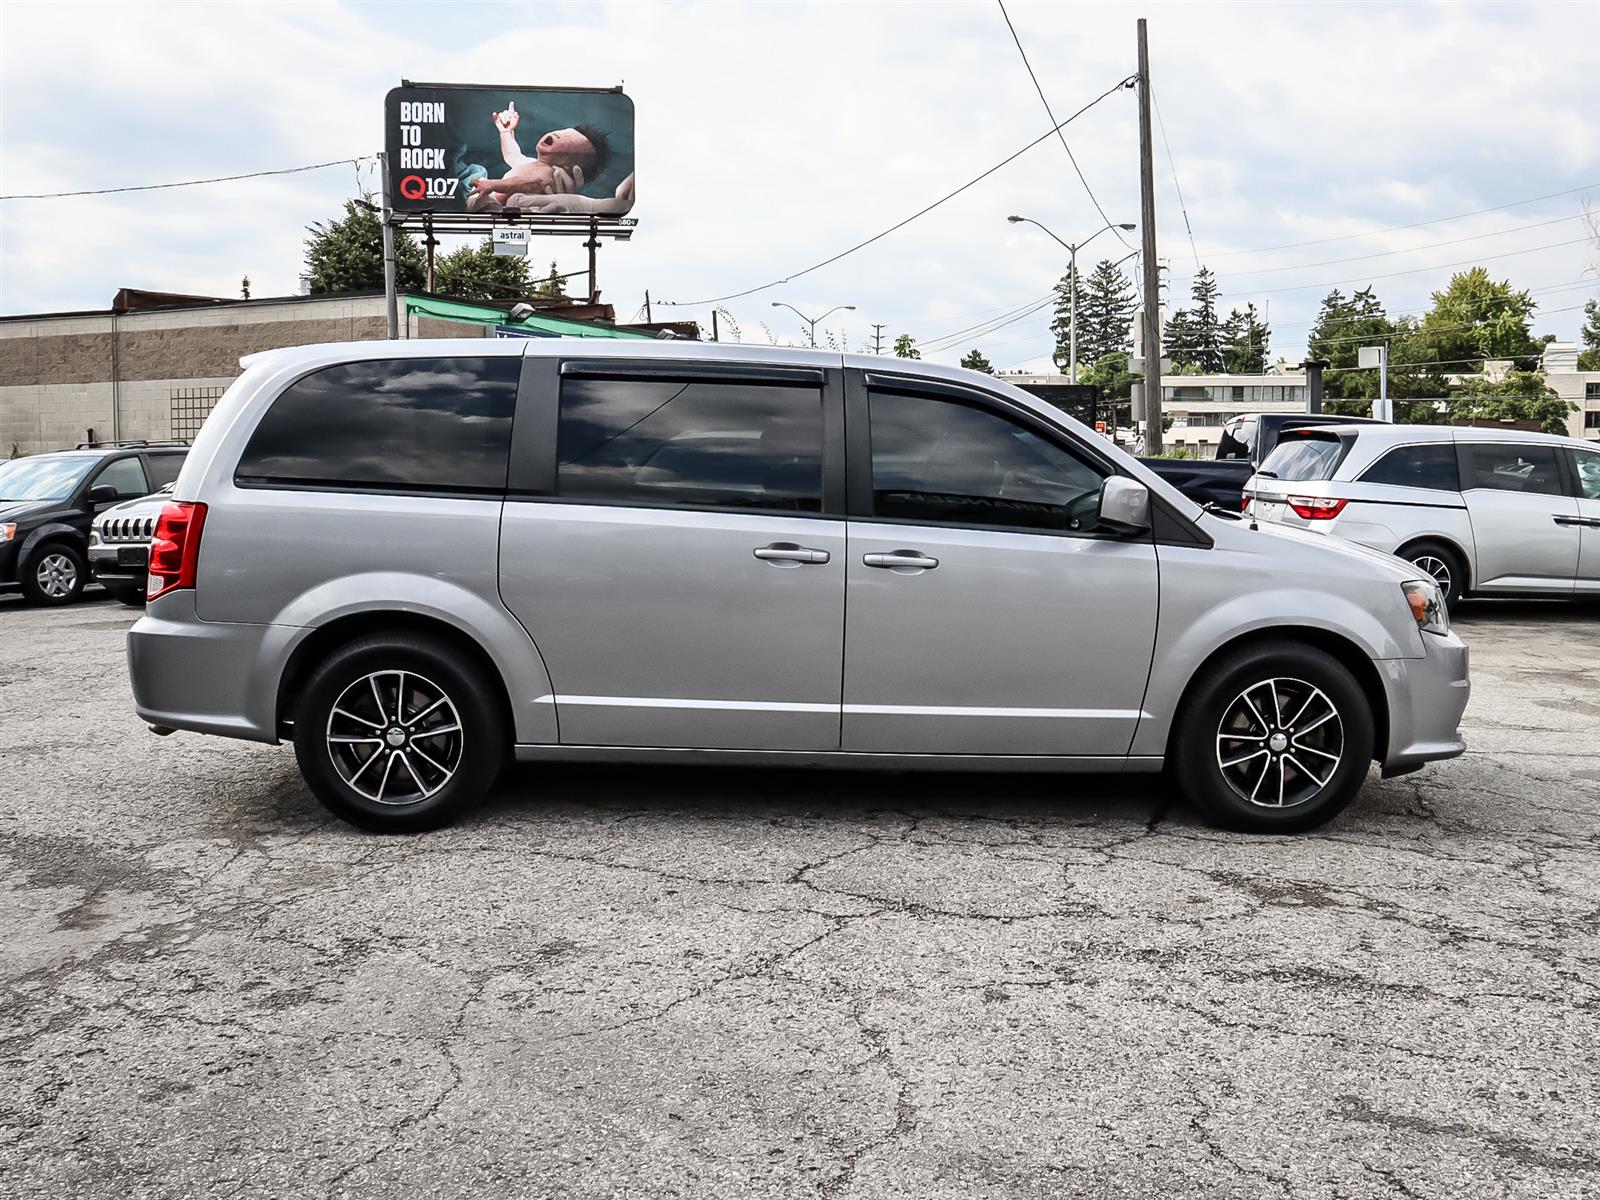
{"x": 785, "y": 553}
{"x": 901, "y": 560}
{"x": 1569, "y": 520}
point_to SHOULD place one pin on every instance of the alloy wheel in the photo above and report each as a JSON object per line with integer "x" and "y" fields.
{"x": 57, "y": 576}
{"x": 1436, "y": 567}
{"x": 1280, "y": 742}
{"x": 395, "y": 737}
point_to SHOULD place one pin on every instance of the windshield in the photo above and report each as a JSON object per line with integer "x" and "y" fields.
{"x": 44, "y": 477}
{"x": 1305, "y": 456}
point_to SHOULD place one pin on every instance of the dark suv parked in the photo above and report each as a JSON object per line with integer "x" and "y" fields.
{"x": 47, "y": 502}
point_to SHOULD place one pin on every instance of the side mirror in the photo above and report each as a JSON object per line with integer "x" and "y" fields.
{"x": 1124, "y": 505}
{"x": 103, "y": 493}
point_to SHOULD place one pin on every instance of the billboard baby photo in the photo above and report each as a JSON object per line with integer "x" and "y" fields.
{"x": 529, "y": 151}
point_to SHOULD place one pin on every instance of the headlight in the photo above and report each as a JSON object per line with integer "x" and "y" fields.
{"x": 8, "y": 531}
{"x": 1427, "y": 605}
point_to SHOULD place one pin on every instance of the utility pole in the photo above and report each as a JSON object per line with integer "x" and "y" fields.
{"x": 391, "y": 301}
{"x": 1152, "y": 276}
{"x": 714, "y": 336}
{"x": 647, "y": 317}
{"x": 877, "y": 338}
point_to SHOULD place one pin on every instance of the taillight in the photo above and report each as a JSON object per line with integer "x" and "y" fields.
{"x": 1244, "y": 502}
{"x": 1317, "y": 508}
{"x": 175, "y": 548}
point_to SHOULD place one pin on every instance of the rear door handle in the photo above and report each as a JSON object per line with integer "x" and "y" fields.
{"x": 789, "y": 552}
{"x": 900, "y": 560}
{"x": 1569, "y": 520}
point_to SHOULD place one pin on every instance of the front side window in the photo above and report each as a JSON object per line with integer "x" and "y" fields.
{"x": 1587, "y": 464}
{"x": 126, "y": 475}
{"x": 405, "y": 424}
{"x": 941, "y": 460}
{"x": 696, "y": 444}
{"x": 1530, "y": 469}
{"x": 1432, "y": 467}
{"x": 1304, "y": 457}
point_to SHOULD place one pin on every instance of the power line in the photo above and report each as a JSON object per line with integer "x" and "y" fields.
{"x": 1553, "y": 287}
{"x": 958, "y": 334}
{"x": 1419, "y": 330}
{"x": 902, "y": 224}
{"x": 1117, "y": 233}
{"x": 952, "y": 340}
{"x": 1345, "y": 237}
{"x": 1440, "y": 362}
{"x": 1414, "y": 271}
{"x": 1178, "y": 187}
{"x": 155, "y": 187}
{"x": 1477, "y": 237}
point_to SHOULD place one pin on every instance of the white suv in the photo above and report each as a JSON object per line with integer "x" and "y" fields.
{"x": 1485, "y": 511}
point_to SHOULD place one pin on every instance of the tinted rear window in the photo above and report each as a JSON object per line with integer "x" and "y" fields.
{"x": 1303, "y": 456}
{"x": 1431, "y": 467}
{"x": 410, "y": 424}
{"x": 1238, "y": 440}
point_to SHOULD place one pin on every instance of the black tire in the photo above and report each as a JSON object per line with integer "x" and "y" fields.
{"x": 1434, "y": 557}
{"x": 1215, "y": 730}
{"x": 132, "y": 597}
{"x": 54, "y": 574}
{"x": 472, "y": 756}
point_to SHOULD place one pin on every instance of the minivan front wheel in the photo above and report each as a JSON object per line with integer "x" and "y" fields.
{"x": 55, "y": 574}
{"x": 398, "y": 734}
{"x": 1276, "y": 740}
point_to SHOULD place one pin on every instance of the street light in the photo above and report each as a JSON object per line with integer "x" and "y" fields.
{"x": 811, "y": 322}
{"x": 1072, "y": 251}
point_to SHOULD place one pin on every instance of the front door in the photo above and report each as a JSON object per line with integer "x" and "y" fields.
{"x": 984, "y": 612}
{"x": 683, "y": 585}
{"x": 1524, "y": 520}
{"x": 1586, "y": 473}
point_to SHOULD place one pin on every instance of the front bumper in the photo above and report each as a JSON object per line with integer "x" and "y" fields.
{"x": 1426, "y": 698}
{"x": 208, "y": 677}
{"x": 119, "y": 564}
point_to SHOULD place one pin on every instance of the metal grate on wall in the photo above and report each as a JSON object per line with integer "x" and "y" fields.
{"x": 190, "y": 407}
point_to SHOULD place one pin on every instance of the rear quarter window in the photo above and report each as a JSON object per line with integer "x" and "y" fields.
{"x": 1300, "y": 457}
{"x": 410, "y": 424}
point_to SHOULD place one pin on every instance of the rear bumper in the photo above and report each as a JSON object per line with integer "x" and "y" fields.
{"x": 1427, "y": 697}
{"x": 208, "y": 677}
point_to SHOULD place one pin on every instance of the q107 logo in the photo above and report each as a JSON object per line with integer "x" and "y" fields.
{"x": 416, "y": 187}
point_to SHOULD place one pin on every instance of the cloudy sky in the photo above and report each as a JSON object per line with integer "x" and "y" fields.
{"x": 772, "y": 136}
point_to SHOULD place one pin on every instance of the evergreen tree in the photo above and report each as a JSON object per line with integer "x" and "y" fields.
{"x": 1343, "y": 325}
{"x": 905, "y": 346}
{"x": 346, "y": 255}
{"x": 975, "y": 361}
{"x": 1178, "y": 341}
{"x": 1061, "y": 323}
{"x": 1245, "y": 338}
{"x": 1105, "y": 313}
{"x": 1589, "y": 359}
{"x": 1197, "y": 341}
{"x": 478, "y": 273}
{"x": 552, "y": 286}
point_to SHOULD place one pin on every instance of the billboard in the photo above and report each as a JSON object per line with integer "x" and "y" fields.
{"x": 526, "y": 151}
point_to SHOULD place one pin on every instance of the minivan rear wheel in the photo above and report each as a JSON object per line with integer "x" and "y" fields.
{"x": 397, "y": 733}
{"x": 1443, "y": 565}
{"x": 1275, "y": 740}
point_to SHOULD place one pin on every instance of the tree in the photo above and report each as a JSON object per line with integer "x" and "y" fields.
{"x": 1589, "y": 359}
{"x": 1245, "y": 337}
{"x": 1105, "y": 313}
{"x": 1344, "y": 324}
{"x": 551, "y": 287}
{"x": 1199, "y": 340}
{"x": 346, "y": 255}
{"x": 1519, "y": 396}
{"x": 478, "y": 273}
{"x": 1477, "y": 318}
{"x": 1061, "y": 323}
{"x": 244, "y": 288}
{"x": 905, "y": 346}
{"x": 975, "y": 361}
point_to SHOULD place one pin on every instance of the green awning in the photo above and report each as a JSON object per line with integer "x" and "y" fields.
{"x": 537, "y": 325}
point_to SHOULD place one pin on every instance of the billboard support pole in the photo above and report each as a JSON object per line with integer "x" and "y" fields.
{"x": 593, "y": 244}
{"x": 391, "y": 302}
{"x": 430, "y": 241}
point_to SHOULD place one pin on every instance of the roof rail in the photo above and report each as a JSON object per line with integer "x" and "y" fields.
{"x": 128, "y": 442}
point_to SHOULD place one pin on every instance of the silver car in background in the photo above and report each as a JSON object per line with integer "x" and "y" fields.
{"x": 119, "y": 544}
{"x": 419, "y": 559}
{"x": 1484, "y": 511}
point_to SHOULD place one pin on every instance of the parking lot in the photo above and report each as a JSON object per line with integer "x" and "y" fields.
{"x": 674, "y": 982}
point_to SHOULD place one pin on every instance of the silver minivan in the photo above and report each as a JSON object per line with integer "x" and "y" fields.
{"x": 417, "y": 560}
{"x": 1484, "y": 511}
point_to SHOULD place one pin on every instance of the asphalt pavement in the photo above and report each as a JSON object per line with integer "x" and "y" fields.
{"x": 697, "y": 983}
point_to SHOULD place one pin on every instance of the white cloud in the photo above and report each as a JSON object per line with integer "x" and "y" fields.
{"x": 774, "y": 135}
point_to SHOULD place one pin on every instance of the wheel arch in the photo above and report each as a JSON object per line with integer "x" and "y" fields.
{"x": 325, "y": 639}
{"x": 1449, "y": 543}
{"x": 1344, "y": 651}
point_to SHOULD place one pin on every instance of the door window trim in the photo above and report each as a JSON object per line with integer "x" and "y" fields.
{"x": 535, "y": 470}
{"x": 862, "y": 506}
